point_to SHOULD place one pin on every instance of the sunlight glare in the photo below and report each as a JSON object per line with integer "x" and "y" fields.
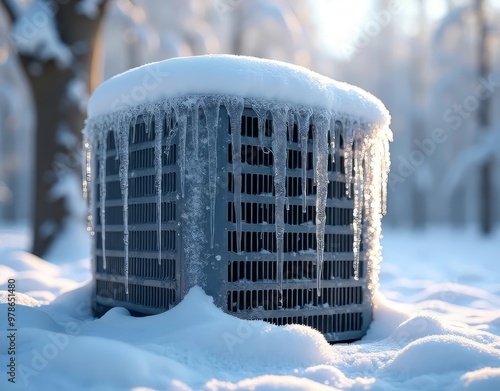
{"x": 339, "y": 22}
{"x": 436, "y": 9}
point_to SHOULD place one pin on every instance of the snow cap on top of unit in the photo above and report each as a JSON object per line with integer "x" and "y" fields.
{"x": 241, "y": 76}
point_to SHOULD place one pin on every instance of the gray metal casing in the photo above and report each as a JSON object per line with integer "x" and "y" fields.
{"x": 245, "y": 284}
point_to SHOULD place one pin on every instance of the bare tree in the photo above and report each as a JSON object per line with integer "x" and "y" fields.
{"x": 56, "y": 44}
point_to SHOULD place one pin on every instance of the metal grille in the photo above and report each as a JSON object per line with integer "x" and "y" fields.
{"x": 153, "y": 286}
{"x": 252, "y": 290}
{"x": 330, "y": 325}
{"x": 244, "y": 284}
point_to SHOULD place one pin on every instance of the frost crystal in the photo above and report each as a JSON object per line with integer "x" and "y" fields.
{"x": 235, "y": 110}
{"x": 211, "y": 109}
{"x": 280, "y": 155}
{"x": 122, "y": 136}
{"x": 102, "y": 191}
{"x": 304, "y": 119}
{"x": 158, "y": 115}
{"x": 321, "y": 125}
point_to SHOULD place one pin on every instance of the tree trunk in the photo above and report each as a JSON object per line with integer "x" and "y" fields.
{"x": 417, "y": 129}
{"x": 57, "y": 112}
{"x": 483, "y": 116}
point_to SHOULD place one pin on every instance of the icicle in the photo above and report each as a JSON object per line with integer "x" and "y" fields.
{"x": 134, "y": 123}
{"x": 146, "y": 118}
{"x": 386, "y": 137}
{"x": 290, "y": 124}
{"x": 211, "y": 109}
{"x": 158, "y": 115}
{"x": 170, "y": 131}
{"x": 85, "y": 143}
{"x": 280, "y": 161}
{"x": 331, "y": 131}
{"x": 321, "y": 125}
{"x": 89, "y": 146}
{"x": 373, "y": 209}
{"x": 348, "y": 158}
{"x": 261, "y": 112}
{"x": 359, "y": 153}
{"x": 181, "y": 112}
{"x": 196, "y": 121}
{"x": 103, "y": 133}
{"x": 234, "y": 108}
{"x": 369, "y": 192}
{"x": 304, "y": 117}
{"x": 122, "y": 135}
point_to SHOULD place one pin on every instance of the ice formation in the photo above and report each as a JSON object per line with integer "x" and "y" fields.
{"x": 158, "y": 116}
{"x": 211, "y": 108}
{"x": 122, "y": 137}
{"x": 102, "y": 192}
{"x": 286, "y": 94}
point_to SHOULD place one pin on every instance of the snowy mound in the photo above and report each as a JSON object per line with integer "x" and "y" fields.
{"x": 196, "y": 346}
{"x": 46, "y": 280}
{"x": 239, "y": 76}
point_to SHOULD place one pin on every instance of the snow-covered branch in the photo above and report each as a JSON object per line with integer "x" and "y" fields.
{"x": 34, "y": 34}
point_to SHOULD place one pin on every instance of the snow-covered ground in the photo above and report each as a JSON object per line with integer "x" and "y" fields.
{"x": 436, "y": 327}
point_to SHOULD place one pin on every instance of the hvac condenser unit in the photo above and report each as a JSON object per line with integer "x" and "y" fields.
{"x": 262, "y": 182}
